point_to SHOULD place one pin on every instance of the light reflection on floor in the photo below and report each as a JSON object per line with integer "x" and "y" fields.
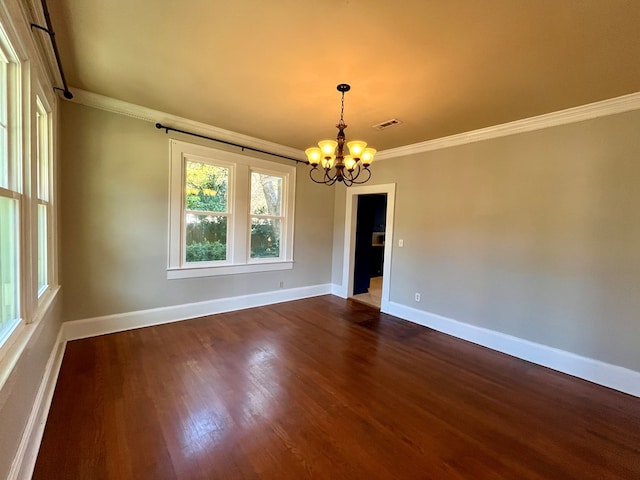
{"x": 204, "y": 429}
{"x": 261, "y": 369}
{"x": 206, "y": 425}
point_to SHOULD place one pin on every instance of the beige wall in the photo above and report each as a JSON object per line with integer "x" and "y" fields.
{"x": 114, "y": 229}
{"x": 535, "y": 235}
{"x": 20, "y": 389}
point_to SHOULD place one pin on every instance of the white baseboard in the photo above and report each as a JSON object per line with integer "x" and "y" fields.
{"x": 25, "y": 459}
{"x": 608, "y": 375}
{"x": 91, "y": 327}
{"x": 338, "y": 290}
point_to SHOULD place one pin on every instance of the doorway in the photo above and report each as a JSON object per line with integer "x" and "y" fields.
{"x": 349, "y": 258}
{"x": 371, "y": 215}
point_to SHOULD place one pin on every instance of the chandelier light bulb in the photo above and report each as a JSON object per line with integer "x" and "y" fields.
{"x": 328, "y": 147}
{"x": 356, "y": 147}
{"x": 314, "y": 155}
{"x": 350, "y": 162}
{"x": 328, "y": 161}
{"x": 367, "y": 156}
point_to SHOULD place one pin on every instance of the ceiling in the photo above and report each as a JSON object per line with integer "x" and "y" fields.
{"x": 269, "y": 69}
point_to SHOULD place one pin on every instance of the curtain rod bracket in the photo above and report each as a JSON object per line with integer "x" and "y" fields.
{"x": 44, "y": 29}
{"x": 65, "y": 93}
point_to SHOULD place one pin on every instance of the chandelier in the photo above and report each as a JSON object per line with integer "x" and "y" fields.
{"x": 328, "y": 162}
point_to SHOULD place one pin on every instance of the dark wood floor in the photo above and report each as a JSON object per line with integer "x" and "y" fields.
{"x": 329, "y": 389}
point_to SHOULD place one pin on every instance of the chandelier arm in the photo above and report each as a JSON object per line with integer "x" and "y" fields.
{"x": 366, "y": 179}
{"x": 314, "y": 169}
{"x": 327, "y": 180}
{"x": 362, "y": 181}
{"x": 331, "y": 179}
{"x": 353, "y": 176}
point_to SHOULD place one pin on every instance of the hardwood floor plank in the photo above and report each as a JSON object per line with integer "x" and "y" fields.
{"x": 324, "y": 388}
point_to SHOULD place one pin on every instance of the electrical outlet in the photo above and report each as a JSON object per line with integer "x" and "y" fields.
{"x": 417, "y": 297}
{"x": 281, "y": 285}
{"x": 401, "y": 243}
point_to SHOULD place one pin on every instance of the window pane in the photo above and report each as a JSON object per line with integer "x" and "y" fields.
{"x": 206, "y": 238}
{"x": 9, "y": 311}
{"x": 42, "y": 248}
{"x": 4, "y": 158}
{"x": 42, "y": 152}
{"x": 266, "y": 194}
{"x": 4, "y": 153}
{"x": 265, "y": 237}
{"x": 206, "y": 187}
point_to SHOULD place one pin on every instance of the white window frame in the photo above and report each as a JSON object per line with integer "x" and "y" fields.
{"x": 229, "y": 213}
{"x": 42, "y": 155}
{"x": 282, "y": 216}
{"x": 27, "y": 77}
{"x": 238, "y": 224}
{"x": 14, "y": 107}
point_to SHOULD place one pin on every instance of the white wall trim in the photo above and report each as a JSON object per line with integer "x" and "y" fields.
{"x": 139, "y": 112}
{"x": 602, "y": 108}
{"x": 612, "y": 106}
{"x": 12, "y": 350}
{"x": 25, "y": 459}
{"x": 91, "y": 327}
{"x": 596, "y": 371}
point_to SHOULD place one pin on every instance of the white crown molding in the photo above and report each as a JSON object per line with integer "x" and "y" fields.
{"x": 596, "y": 371}
{"x": 612, "y": 106}
{"x": 603, "y": 108}
{"x": 113, "y": 105}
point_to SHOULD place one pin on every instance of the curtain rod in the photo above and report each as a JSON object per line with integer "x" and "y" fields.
{"x": 49, "y": 29}
{"x": 159, "y": 126}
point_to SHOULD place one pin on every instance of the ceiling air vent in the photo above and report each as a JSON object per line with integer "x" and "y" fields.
{"x": 387, "y": 124}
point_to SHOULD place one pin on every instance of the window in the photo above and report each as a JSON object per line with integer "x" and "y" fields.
{"x": 43, "y": 188}
{"x": 206, "y": 211}
{"x": 266, "y": 214}
{"x": 228, "y": 213}
{"x": 28, "y": 280}
{"x": 10, "y": 199}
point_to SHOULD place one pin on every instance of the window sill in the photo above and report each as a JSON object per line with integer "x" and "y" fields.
{"x": 192, "y": 272}
{"x": 11, "y": 351}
